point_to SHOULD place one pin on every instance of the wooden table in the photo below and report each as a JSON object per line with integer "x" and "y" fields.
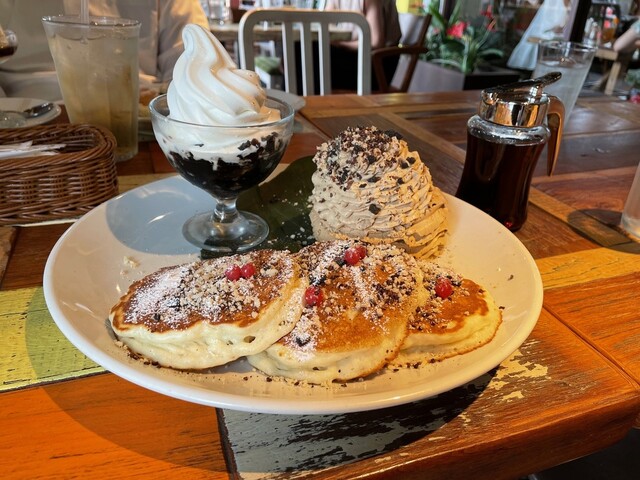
{"x": 572, "y": 388}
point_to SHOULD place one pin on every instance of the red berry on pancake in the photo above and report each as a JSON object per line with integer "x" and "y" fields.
{"x": 312, "y": 296}
{"x": 443, "y": 288}
{"x": 248, "y": 270}
{"x": 233, "y": 273}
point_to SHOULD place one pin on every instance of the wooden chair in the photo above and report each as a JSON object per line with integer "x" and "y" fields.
{"x": 413, "y": 51}
{"x": 303, "y": 20}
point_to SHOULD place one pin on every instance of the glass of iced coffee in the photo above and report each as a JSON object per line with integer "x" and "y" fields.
{"x": 97, "y": 67}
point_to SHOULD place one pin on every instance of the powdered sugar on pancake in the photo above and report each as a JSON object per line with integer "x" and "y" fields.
{"x": 195, "y": 316}
{"x": 444, "y": 327}
{"x": 177, "y": 297}
{"x": 361, "y": 320}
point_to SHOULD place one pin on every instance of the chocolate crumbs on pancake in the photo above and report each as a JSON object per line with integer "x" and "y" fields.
{"x": 375, "y": 286}
{"x": 175, "y": 298}
{"x": 450, "y": 321}
{"x": 447, "y": 315}
{"x": 358, "y": 323}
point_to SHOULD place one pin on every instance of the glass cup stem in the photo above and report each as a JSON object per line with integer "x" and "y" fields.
{"x": 225, "y": 211}
{"x": 226, "y": 229}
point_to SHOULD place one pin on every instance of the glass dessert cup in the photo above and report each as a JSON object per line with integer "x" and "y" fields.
{"x": 8, "y": 44}
{"x": 224, "y": 161}
{"x": 8, "y": 47}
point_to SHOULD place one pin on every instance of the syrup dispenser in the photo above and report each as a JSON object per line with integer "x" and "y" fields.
{"x": 504, "y": 141}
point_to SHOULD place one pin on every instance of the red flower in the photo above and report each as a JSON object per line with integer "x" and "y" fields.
{"x": 487, "y": 13}
{"x": 457, "y": 29}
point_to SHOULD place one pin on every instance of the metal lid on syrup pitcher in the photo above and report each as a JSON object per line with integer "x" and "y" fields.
{"x": 524, "y": 104}
{"x": 520, "y": 104}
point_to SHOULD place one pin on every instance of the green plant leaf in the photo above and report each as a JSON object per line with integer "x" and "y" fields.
{"x": 491, "y": 51}
{"x": 437, "y": 19}
{"x": 455, "y": 13}
{"x": 633, "y": 77}
{"x": 284, "y": 204}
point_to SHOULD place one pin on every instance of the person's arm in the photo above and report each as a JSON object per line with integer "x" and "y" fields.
{"x": 331, "y": 5}
{"x": 374, "y": 15}
{"x": 629, "y": 40}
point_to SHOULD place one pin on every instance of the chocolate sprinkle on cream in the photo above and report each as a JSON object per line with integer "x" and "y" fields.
{"x": 369, "y": 186}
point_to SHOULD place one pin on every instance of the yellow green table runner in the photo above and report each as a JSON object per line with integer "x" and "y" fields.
{"x": 33, "y": 351}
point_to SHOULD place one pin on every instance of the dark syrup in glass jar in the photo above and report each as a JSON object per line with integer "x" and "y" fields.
{"x": 7, "y": 52}
{"x": 504, "y": 140}
{"x": 497, "y": 177}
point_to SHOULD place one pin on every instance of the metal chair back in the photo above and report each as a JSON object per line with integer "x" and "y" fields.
{"x": 307, "y": 26}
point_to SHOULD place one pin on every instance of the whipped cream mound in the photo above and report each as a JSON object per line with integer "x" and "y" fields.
{"x": 369, "y": 186}
{"x": 209, "y": 89}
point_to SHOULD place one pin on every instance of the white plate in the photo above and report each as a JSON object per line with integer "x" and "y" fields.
{"x": 295, "y": 101}
{"x": 20, "y": 104}
{"x": 96, "y": 260}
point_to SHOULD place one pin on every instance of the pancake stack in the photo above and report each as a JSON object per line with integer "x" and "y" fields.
{"x": 335, "y": 311}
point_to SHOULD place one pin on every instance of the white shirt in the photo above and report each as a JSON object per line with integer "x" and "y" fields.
{"x": 31, "y": 72}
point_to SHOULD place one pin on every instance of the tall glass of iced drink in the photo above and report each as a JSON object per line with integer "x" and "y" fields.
{"x": 97, "y": 67}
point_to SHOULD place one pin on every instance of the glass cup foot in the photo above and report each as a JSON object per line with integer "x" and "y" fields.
{"x": 245, "y": 232}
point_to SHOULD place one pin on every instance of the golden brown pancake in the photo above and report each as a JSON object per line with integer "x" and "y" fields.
{"x": 360, "y": 321}
{"x": 194, "y": 316}
{"x": 466, "y": 319}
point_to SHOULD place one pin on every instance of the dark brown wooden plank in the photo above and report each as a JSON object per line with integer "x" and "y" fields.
{"x": 7, "y": 238}
{"x": 600, "y": 194}
{"x": 547, "y": 236}
{"x": 584, "y": 153}
{"x": 140, "y": 164}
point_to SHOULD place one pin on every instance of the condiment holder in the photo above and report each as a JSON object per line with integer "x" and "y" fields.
{"x": 60, "y": 186}
{"x": 513, "y": 125}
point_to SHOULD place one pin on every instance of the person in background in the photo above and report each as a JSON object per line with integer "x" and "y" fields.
{"x": 31, "y": 72}
{"x": 629, "y": 40}
{"x": 547, "y": 24}
{"x": 382, "y": 16}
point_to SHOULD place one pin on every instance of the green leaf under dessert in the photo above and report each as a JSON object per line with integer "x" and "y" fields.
{"x": 283, "y": 203}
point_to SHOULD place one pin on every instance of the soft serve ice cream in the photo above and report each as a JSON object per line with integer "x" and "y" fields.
{"x": 209, "y": 89}
{"x": 220, "y": 133}
{"x": 369, "y": 186}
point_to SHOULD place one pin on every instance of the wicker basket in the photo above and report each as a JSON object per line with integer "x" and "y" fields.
{"x": 65, "y": 185}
